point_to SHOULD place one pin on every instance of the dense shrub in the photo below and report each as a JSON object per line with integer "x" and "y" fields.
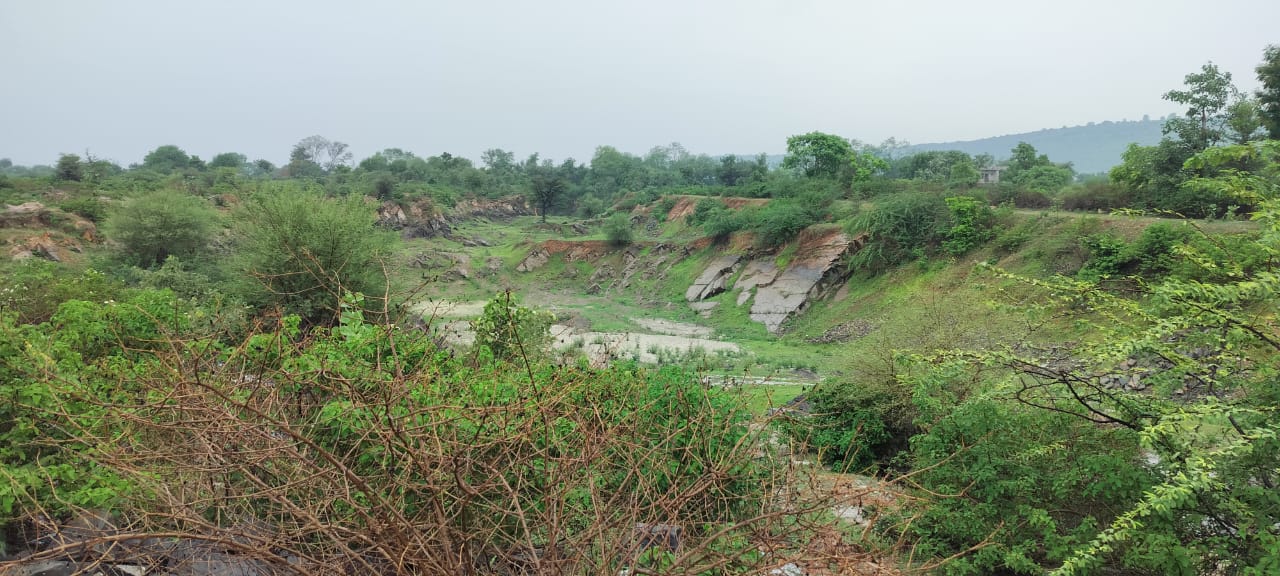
{"x": 508, "y": 330}
{"x": 899, "y": 228}
{"x": 971, "y": 221}
{"x": 858, "y": 424}
{"x": 365, "y": 448}
{"x": 704, "y": 210}
{"x": 617, "y": 230}
{"x": 87, "y": 207}
{"x": 663, "y": 207}
{"x": 156, "y": 225}
{"x": 301, "y": 252}
{"x": 1095, "y": 196}
{"x": 31, "y": 291}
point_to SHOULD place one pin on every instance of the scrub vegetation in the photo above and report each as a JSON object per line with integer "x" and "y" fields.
{"x": 1051, "y": 372}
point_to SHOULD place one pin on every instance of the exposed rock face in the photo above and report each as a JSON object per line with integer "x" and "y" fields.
{"x": 791, "y": 289}
{"x": 504, "y": 209}
{"x": 777, "y": 294}
{"x": 43, "y": 246}
{"x": 759, "y": 272}
{"x": 37, "y": 215}
{"x": 714, "y": 279}
{"x": 535, "y": 260}
{"x": 416, "y": 220}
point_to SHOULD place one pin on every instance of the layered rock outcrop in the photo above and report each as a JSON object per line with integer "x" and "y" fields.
{"x": 775, "y": 292}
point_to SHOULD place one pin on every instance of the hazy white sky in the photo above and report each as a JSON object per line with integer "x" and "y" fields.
{"x": 560, "y": 77}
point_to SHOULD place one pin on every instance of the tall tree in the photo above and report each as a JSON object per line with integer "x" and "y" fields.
{"x": 166, "y": 159}
{"x": 327, "y": 154}
{"x": 547, "y": 186}
{"x": 229, "y": 160}
{"x": 302, "y": 164}
{"x": 1206, "y": 97}
{"x": 69, "y": 168}
{"x": 731, "y": 170}
{"x": 818, "y": 155}
{"x": 1269, "y": 92}
{"x": 1244, "y": 123}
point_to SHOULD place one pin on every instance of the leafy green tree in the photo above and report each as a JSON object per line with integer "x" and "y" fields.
{"x": 866, "y": 165}
{"x": 1024, "y": 157}
{"x": 1269, "y": 90}
{"x": 899, "y": 228}
{"x": 732, "y": 170}
{"x": 963, "y": 175}
{"x": 1244, "y": 123}
{"x": 613, "y": 171}
{"x": 150, "y": 228}
{"x": 69, "y": 168}
{"x": 327, "y": 154}
{"x": 546, "y": 189}
{"x": 167, "y": 159}
{"x": 498, "y": 160}
{"x": 302, "y": 252}
{"x": 817, "y": 154}
{"x": 302, "y": 164}
{"x": 263, "y": 167}
{"x": 1204, "y": 354}
{"x": 1206, "y": 97}
{"x": 229, "y": 160}
{"x": 929, "y": 166}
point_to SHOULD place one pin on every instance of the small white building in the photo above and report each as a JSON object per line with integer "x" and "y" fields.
{"x": 990, "y": 175}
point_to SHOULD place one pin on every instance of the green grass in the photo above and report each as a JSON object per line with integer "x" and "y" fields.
{"x": 760, "y": 397}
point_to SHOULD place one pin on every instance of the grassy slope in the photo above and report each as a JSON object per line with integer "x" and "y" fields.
{"x": 920, "y": 306}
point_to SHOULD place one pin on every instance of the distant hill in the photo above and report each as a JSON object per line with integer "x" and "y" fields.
{"x": 1095, "y": 147}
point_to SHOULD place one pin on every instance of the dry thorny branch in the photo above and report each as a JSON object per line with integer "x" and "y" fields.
{"x": 305, "y": 469}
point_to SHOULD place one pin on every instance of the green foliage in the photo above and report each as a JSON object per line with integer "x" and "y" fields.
{"x": 866, "y": 165}
{"x": 59, "y": 380}
{"x": 546, "y": 189}
{"x": 87, "y": 207}
{"x": 1032, "y": 485}
{"x": 301, "y": 252}
{"x": 1206, "y": 97}
{"x": 617, "y": 229}
{"x": 69, "y": 168}
{"x": 1269, "y": 90}
{"x": 229, "y": 160}
{"x": 818, "y": 155}
{"x": 899, "y": 228}
{"x": 510, "y": 331}
{"x": 1108, "y": 256}
{"x": 857, "y": 424}
{"x": 150, "y": 228}
{"x": 963, "y": 175}
{"x": 705, "y": 210}
{"x": 168, "y": 159}
{"x": 31, "y": 291}
{"x": 663, "y": 207}
{"x": 971, "y": 222}
{"x": 589, "y": 206}
{"x": 1095, "y": 196}
{"x": 492, "y": 454}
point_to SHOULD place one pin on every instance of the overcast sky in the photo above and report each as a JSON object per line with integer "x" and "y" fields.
{"x": 560, "y": 77}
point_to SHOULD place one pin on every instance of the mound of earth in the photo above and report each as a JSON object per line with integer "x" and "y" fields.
{"x": 37, "y": 215}
{"x": 685, "y": 205}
